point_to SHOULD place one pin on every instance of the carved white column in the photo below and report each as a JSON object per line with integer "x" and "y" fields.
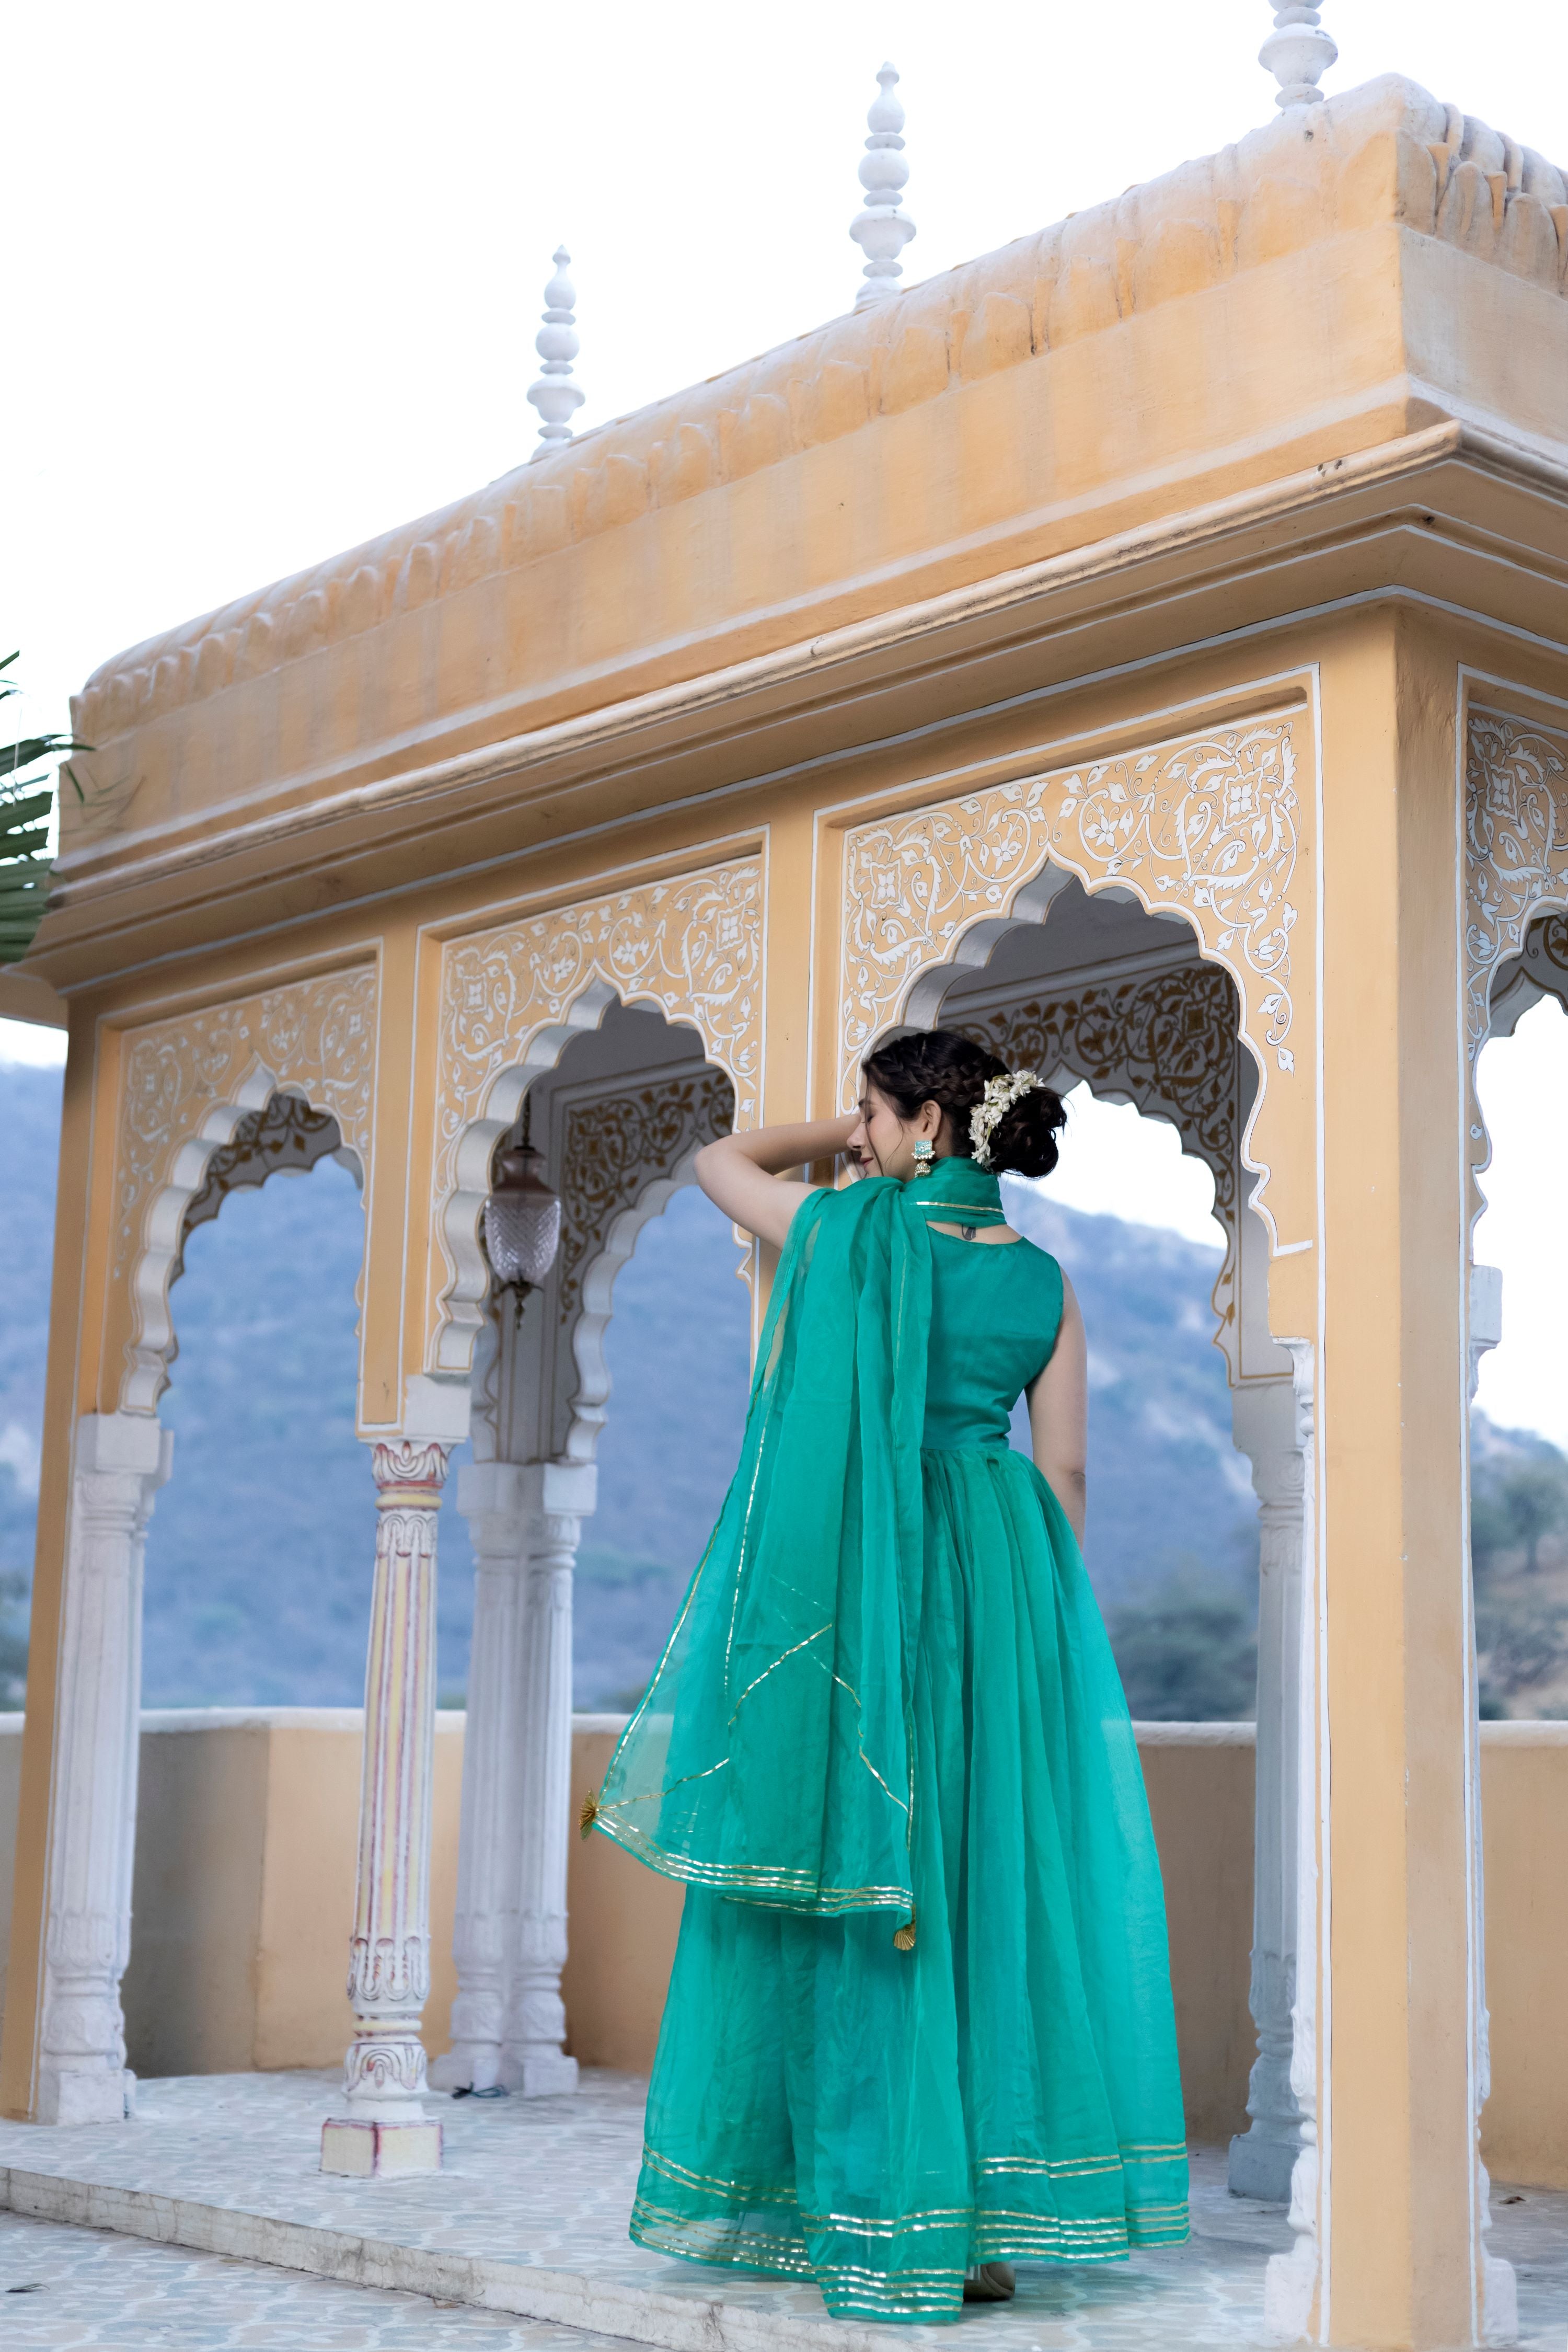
{"x": 121, "y": 1460}
{"x": 382, "y": 2126}
{"x": 492, "y": 1499}
{"x": 1264, "y": 1420}
{"x": 1292, "y": 2281}
{"x": 559, "y": 1495}
{"x": 1500, "y": 2288}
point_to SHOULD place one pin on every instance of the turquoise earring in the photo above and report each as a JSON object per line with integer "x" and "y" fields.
{"x": 925, "y": 1154}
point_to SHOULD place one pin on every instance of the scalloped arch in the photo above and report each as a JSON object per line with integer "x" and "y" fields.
{"x": 1203, "y": 828}
{"x": 187, "y": 1083}
{"x": 513, "y": 995}
{"x": 1516, "y": 871}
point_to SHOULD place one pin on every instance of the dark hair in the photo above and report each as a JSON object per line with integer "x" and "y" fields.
{"x": 943, "y": 1066}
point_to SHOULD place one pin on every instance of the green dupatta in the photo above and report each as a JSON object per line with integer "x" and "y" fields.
{"x": 770, "y": 1757}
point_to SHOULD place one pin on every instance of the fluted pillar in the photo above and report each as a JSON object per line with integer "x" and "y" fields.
{"x": 1265, "y": 1422}
{"x": 1499, "y": 2287}
{"x": 122, "y": 1459}
{"x": 559, "y": 1495}
{"x": 492, "y": 1499}
{"x": 382, "y": 2125}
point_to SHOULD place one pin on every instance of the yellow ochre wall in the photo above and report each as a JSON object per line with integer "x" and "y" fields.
{"x": 244, "y": 1878}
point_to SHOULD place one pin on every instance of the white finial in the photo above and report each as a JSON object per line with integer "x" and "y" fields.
{"x": 882, "y": 231}
{"x": 1297, "y": 53}
{"x": 557, "y": 344}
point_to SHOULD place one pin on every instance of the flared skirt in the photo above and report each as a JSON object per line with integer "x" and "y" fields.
{"x": 832, "y": 2099}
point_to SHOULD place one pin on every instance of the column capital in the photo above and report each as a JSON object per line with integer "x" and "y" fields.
{"x": 559, "y": 1489}
{"x": 492, "y": 1487}
{"x": 132, "y": 1444}
{"x": 409, "y": 1472}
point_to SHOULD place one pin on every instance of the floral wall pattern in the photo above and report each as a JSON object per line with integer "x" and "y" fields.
{"x": 1207, "y": 825}
{"x": 1516, "y": 870}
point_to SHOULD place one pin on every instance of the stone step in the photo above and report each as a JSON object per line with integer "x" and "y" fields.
{"x": 697, "y": 2322}
{"x": 528, "y": 2217}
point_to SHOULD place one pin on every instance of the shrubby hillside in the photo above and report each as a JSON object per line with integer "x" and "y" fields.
{"x": 259, "y": 1556}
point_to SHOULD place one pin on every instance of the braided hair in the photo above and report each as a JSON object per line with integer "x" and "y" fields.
{"x": 943, "y": 1066}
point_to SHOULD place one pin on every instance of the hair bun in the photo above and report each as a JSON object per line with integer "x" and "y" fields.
{"x": 1024, "y": 1139}
{"x": 944, "y": 1066}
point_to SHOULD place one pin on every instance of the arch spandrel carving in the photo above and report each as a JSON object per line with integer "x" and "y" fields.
{"x": 1207, "y": 827}
{"x": 187, "y": 1083}
{"x": 512, "y": 995}
{"x": 1516, "y": 874}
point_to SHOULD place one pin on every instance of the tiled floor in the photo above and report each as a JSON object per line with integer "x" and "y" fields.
{"x": 76, "y": 2288}
{"x": 529, "y": 2216}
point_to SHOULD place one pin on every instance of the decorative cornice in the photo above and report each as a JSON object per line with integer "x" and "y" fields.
{"x": 1283, "y": 188}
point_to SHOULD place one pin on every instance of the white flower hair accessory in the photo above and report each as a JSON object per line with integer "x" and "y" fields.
{"x": 994, "y": 1105}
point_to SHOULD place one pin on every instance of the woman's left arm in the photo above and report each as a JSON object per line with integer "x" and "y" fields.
{"x": 741, "y": 1172}
{"x": 1058, "y": 1414}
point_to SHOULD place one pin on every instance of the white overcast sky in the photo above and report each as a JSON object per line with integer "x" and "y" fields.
{"x": 273, "y": 276}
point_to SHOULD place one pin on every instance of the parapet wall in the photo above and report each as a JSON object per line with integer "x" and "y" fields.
{"x": 244, "y": 1885}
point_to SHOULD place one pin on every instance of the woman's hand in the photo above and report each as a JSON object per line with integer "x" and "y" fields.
{"x": 740, "y": 1174}
{"x": 1058, "y": 1414}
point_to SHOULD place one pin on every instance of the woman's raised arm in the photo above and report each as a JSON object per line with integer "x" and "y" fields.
{"x": 741, "y": 1173}
{"x": 1058, "y": 1414}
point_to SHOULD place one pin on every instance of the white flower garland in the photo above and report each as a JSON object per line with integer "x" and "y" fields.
{"x": 993, "y": 1106}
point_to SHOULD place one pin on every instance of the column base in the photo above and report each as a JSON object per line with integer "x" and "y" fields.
{"x": 538, "y": 2073}
{"x": 1500, "y": 2299}
{"x": 363, "y": 2147}
{"x": 466, "y": 2067}
{"x": 1260, "y": 2167}
{"x": 71, "y": 2095}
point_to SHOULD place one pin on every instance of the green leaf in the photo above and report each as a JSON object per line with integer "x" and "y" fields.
{"x": 33, "y": 747}
{"x": 16, "y": 812}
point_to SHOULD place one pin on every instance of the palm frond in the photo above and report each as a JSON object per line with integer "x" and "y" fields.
{"x": 26, "y": 808}
{"x": 31, "y": 749}
{"x": 24, "y": 889}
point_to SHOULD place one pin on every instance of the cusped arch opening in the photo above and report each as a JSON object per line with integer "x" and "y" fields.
{"x": 601, "y": 1040}
{"x": 1091, "y": 988}
{"x": 269, "y": 1130}
{"x": 618, "y": 1115}
{"x": 1087, "y": 988}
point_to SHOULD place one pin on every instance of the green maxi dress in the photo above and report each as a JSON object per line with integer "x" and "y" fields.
{"x": 920, "y": 2016}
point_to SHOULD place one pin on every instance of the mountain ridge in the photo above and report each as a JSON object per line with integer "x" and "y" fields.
{"x": 260, "y": 1549}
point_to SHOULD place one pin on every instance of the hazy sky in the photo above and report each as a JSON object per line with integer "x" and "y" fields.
{"x": 275, "y": 275}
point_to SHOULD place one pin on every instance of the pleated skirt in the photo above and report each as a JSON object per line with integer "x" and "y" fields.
{"x": 828, "y": 2106}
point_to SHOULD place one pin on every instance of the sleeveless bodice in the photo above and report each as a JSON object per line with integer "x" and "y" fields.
{"x": 994, "y": 1310}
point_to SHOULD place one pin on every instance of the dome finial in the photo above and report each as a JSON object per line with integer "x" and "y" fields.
{"x": 882, "y": 231}
{"x": 556, "y": 346}
{"x": 1297, "y": 53}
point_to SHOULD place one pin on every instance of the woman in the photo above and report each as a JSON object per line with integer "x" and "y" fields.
{"x": 920, "y": 2021}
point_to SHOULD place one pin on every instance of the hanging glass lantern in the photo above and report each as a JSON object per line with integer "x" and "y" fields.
{"x": 522, "y": 1220}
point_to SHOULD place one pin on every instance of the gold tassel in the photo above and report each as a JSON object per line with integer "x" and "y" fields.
{"x": 588, "y": 1814}
{"x": 904, "y": 1938}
